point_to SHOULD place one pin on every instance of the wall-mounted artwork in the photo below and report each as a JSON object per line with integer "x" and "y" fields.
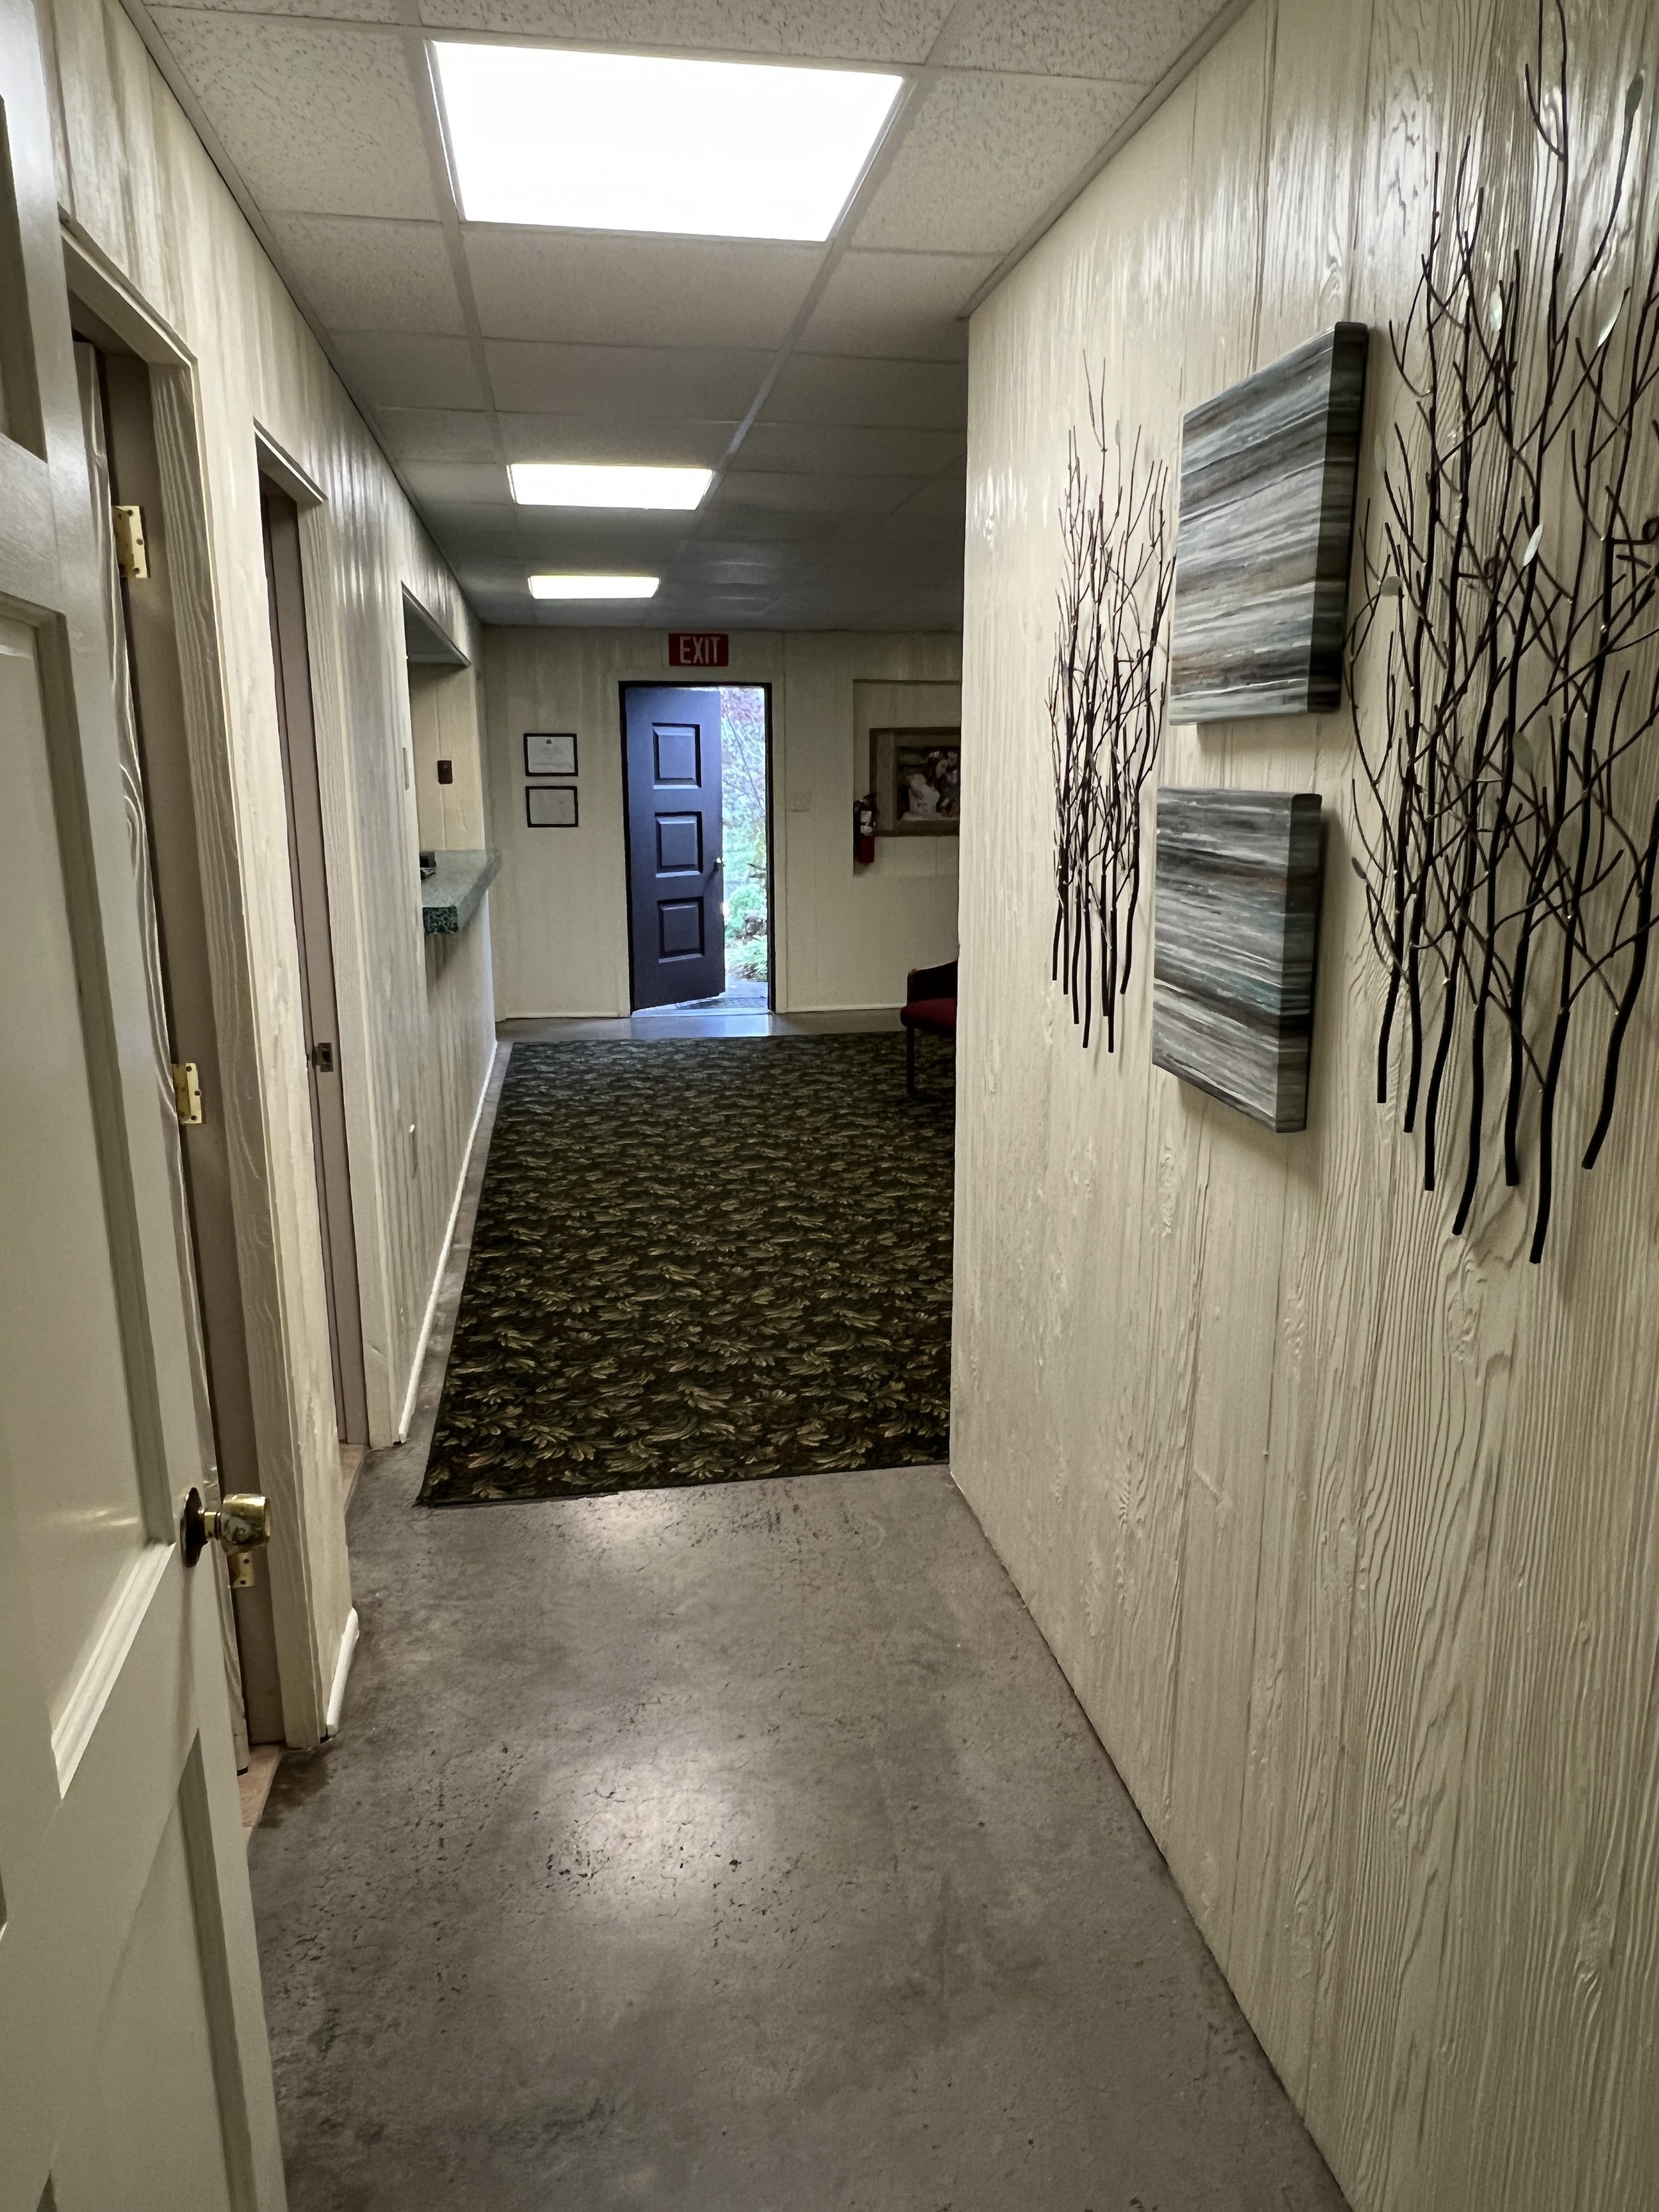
{"x": 916, "y": 777}
{"x": 549, "y": 805}
{"x": 1235, "y": 928}
{"x": 1106, "y": 690}
{"x": 550, "y": 752}
{"x": 1268, "y": 473}
{"x": 1510, "y": 725}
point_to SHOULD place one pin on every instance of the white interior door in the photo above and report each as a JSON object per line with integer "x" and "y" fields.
{"x": 133, "y": 2068}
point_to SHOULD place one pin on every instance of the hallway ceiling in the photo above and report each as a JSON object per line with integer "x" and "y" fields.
{"x": 826, "y": 385}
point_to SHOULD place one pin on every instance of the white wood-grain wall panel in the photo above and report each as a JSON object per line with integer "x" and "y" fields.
{"x": 416, "y": 1025}
{"x": 1345, "y": 1531}
{"x": 844, "y": 937}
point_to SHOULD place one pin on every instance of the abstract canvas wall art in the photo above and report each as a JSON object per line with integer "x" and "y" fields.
{"x": 1235, "y": 929}
{"x": 1268, "y": 473}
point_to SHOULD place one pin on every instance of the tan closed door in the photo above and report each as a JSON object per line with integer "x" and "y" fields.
{"x": 134, "y": 2074}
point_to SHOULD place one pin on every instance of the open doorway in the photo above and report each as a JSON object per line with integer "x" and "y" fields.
{"x": 698, "y": 762}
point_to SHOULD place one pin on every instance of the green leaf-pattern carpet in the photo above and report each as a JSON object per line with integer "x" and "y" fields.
{"x": 702, "y": 1262}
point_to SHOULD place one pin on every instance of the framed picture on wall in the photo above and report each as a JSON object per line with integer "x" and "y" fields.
{"x": 550, "y": 752}
{"x": 917, "y": 776}
{"x": 550, "y": 806}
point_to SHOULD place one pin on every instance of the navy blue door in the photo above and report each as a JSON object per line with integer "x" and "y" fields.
{"x": 675, "y": 882}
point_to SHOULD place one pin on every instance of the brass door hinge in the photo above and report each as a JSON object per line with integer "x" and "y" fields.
{"x": 187, "y": 1092}
{"x": 131, "y": 555}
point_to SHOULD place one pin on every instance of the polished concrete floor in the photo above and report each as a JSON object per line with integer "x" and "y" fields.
{"x": 733, "y": 1851}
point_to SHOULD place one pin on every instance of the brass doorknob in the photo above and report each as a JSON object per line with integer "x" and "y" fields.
{"x": 238, "y": 1523}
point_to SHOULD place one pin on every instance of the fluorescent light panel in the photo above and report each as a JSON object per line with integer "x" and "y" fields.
{"x": 593, "y": 587}
{"x": 629, "y": 141}
{"x": 577, "y": 483}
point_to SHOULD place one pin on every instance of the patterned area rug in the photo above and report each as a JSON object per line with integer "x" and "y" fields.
{"x": 702, "y": 1262}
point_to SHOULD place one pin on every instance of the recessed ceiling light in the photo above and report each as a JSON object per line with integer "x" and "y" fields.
{"x": 575, "y": 483}
{"x": 630, "y": 141}
{"x": 593, "y": 587}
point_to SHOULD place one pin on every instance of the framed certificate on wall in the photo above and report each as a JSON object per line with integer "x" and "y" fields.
{"x": 550, "y": 806}
{"x": 550, "y": 752}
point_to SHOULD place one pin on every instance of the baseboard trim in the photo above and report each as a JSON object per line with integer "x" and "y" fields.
{"x": 342, "y": 1668}
{"x": 419, "y": 1361}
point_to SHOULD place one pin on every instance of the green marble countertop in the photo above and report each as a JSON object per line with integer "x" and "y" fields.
{"x": 450, "y": 898}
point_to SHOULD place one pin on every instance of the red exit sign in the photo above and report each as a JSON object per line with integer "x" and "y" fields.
{"x": 699, "y": 648}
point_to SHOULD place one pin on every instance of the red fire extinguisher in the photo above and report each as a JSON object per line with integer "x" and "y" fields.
{"x": 864, "y": 829}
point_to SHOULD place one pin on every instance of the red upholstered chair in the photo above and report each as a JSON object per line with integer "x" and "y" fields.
{"x": 930, "y": 1003}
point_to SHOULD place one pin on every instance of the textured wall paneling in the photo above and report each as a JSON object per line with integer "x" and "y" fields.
{"x": 422, "y": 1034}
{"x": 1304, "y": 1585}
{"x": 1345, "y": 1531}
{"x": 1224, "y": 1176}
{"x": 561, "y": 921}
{"x": 138, "y": 188}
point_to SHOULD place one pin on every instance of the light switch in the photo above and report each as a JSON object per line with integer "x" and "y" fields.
{"x": 800, "y": 799}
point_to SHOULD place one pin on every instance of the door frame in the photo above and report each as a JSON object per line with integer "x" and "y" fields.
{"x": 727, "y": 683}
{"x": 281, "y": 518}
{"x": 306, "y": 1536}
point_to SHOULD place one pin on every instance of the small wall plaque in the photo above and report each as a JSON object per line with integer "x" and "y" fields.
{"x": 1236, "y": 922}
{"x": 550, "y": 752}
{"x": 549, "y": 805}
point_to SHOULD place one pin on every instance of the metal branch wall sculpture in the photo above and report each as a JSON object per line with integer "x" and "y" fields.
{"x": 1508, "y": 814}
{"x": 1106, "y": 709}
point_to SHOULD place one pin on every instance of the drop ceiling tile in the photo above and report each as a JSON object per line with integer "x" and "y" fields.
{"x": 947, "y": 497}
{"x": 886, "y": 394}
{"x": 933, "y": 531}
{"x": 437, "y": 433}
{"x": 693, "y": 599}
{"x": 803, "y": 493}
{"x": 439, "y": 484}
{"x": 894, "y": 31}
{"x": 822, "y": 447}
{"x": 725, "y": 517}
{"x": 478, "y": 525}
{"x": 547, "y": 538}
{"x": 935, "y": 608}
{"x": 619, "y": 384}
{"x": 986, "y": 157}
{"x": 579, "y": 437}
{"x": 1137, "y": 38}
{"x": 364, "y": 276}
{"x": 389, "y": 370}
{"x": 571, "y": 539}
{"x": 850, "y": 609}
{"x": 606, "y": 290}
{"x": 901, "y": 304}
{"x": 319, "y": 119}
{"x": 732, "y": 562}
